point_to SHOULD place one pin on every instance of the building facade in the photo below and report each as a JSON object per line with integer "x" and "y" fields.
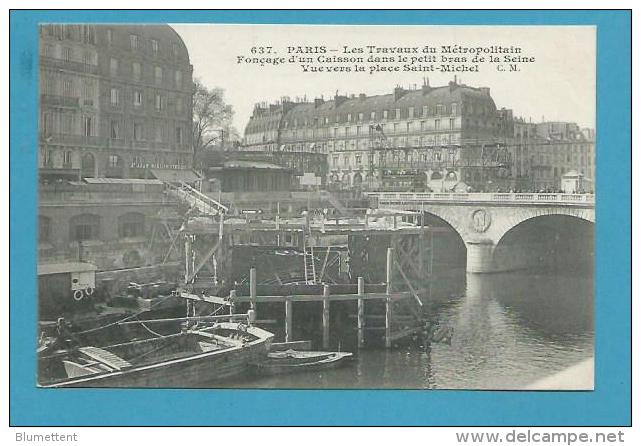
{"x": 115, "y": 100}
{"x": 544, "y": 152}
{"x": 439, "y": 137}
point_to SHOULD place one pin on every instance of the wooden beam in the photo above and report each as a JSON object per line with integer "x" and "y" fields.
{"x": 252, "y": 288}
{"x": 409, "y": 284}
{"x": 361, "y": 313}
{"x": 326, "y": 317}
{"x": 289, "y": 335}
{"x": 398, "y": 295}
{"x": 203, "y": 298}
{"x": 202, "y": 261}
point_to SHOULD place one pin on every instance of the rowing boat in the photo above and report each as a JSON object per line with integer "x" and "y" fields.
{"x": 293, "y": 361}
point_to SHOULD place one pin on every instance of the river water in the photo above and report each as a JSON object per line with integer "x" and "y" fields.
{"x": 510, "y": 329}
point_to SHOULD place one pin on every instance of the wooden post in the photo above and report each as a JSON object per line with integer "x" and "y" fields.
{"x": 187, "y": 257}
{"x": 326, "y": 317}
{"x": 388, "y": 300}
{"x": 252, "y": 288}
{"x": 232, "y": 303}
{"x": 289, "y": 334}
{"x": 361, "y": 313}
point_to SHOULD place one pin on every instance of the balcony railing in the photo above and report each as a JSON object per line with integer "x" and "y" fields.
{"x": 69, "y": 65}
{"x": 58, "y": 101}
{"x": 66, "y": 138}
{"x": 391, "y": 198}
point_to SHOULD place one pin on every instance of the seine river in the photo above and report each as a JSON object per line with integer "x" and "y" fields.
{"x": 510, "y": 330}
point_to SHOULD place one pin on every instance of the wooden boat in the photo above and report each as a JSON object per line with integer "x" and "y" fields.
{"x": 292, "y": 361}
{"x": 190, "y": 358}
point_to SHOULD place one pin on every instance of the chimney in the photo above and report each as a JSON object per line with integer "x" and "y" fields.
{"x": 318, "y": 102}
{"x": 399, "y": 92}
{"x": 338, "y": 100}
{"x": 362, "y": 96}
{"x": 426, "y": 85}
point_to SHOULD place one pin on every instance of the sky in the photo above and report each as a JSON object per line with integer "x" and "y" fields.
{"x": 560, "y": 85}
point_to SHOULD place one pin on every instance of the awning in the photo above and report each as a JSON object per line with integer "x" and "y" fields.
{"x": 122, "y": 181}
{"x": 45, "y": 269}
{"x": 176, "y": 175}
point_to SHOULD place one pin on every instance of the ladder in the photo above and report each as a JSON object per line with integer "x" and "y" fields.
{"x": 310, "y": 264}
{"x": 196, "y": 199}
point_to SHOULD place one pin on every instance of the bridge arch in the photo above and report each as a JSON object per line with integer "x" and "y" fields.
{"x": 512, "y": 220}
{"x": 560, "y": 240}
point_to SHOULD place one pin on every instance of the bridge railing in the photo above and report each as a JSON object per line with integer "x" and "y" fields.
{"x": 489, "y": 197}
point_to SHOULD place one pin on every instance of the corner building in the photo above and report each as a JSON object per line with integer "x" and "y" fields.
{"x": 115, "y": 100}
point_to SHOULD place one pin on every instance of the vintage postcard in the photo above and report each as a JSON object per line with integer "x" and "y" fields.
{"x": 316, "y": 206}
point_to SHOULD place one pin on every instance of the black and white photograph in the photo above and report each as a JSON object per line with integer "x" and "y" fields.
{"x": 316, "y": 206}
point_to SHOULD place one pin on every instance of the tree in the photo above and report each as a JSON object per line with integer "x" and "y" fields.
{"x": 212, "y": 117}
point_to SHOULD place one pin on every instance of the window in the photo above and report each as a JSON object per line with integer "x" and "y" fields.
{"x": 158, "y": 75}
{"x": 131, "y": 224}
{"x": 397, "y": 113}
{"x": 454, "y": 108}
{"x": 179, "y": 135}
{"x": 115, "y": 129}
{"x": 452, "y": 123}
{"x": 87, "y": 125}
{"x": 110, "y": 36}
{"x": 384, "y": 114}
{"x": 179, "y": 105}
{"x": 115, "y": 161}
{"x": 439, "y": 109}
{"x": 159, "y": 102}
{"x": 44, "y": 229}
{"x": 137, "y": 98}
{"x": 395, "y": 129}
{"x": 113, "y": 66}
{"x": 115, "y": 97}
{"x": 67, "y": 87}
{"x": 347, "y": 131}
{"x": 410, "y": 112}
{"x": 134, "y": 41}
{"x": 179, "y": 79}
{"x": 67, "y": 54}
{"x": 425, "y": 110}
{"x": 159, "y": 134}
{"x": 175, "y": 49}
{"x": 349, "y": 117}
{"x": 137, "y": 71}
{"x": 138, "y": 131}
{"x": 360, "y": 116}
{"x": 84, "y": 227}
{"x": 154, "y": 46}
{"x": 66, "y": 158}
{"x": 437, "y": 124}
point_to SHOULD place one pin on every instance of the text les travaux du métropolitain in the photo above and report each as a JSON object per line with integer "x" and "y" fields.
{"x": 379, "y": 59}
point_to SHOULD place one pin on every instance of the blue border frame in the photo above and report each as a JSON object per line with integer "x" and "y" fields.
{"x": 608, "y": 405}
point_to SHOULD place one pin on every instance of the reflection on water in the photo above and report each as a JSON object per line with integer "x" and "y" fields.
{"x": 510, "y": 329}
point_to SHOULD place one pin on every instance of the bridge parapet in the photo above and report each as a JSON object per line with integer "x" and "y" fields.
{"x": 584, "y": 200}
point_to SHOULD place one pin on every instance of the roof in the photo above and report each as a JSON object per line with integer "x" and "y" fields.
{"x": 122, "y": 181}
{"x": 244, "y": 164}
{"x": 45, "y": 269}
{"x": 430, "y": 96}
{"x": 176, "y": 175}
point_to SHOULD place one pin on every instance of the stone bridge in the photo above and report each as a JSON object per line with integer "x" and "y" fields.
{"x": 483, "y": 221}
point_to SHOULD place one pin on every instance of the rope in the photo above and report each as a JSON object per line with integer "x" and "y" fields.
{"x": 150, "y": 330}
{"x": 135, "y": 315}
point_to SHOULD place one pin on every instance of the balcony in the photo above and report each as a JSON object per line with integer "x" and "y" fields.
{"x": 71, "y": 139}
{"x": 58, "y": 101}
{"x": 62, "y": 64}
